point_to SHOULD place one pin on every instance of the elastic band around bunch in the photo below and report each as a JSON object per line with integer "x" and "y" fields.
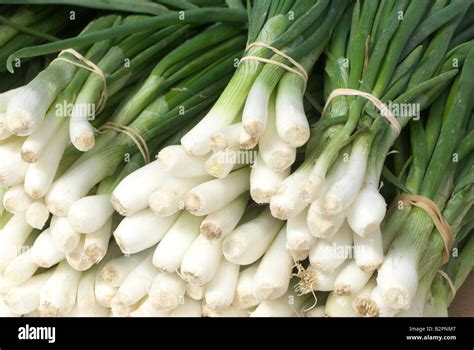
{"x": 450, "y": 282}
{"x": 300, "y": 70}
{"x": 433, "y": 211}
{"x": 375, "y": 101}
{"x": 90, "y": 66}
{"x": 133, "y": 135}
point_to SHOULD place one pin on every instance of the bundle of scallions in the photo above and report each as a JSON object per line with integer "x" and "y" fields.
{"x": 281, "y": 130}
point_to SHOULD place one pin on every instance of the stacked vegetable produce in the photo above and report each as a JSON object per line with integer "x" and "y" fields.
{"x": 269, "y": 192}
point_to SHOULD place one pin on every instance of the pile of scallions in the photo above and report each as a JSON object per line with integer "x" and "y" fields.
{"x": 191, "y": 158}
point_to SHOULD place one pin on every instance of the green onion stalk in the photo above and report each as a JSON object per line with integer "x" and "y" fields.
{"x": 93, "y": 216}
{"x": 164, "y": 115}
{"x": 23, "y": 16}
{"x": 369, "y": 57}
{"x": 431, "y": 261}
{"x": 143, "y": 7}
{"x": 26, "y": 27}
{"x": 138, "y": 50}
{"x": 80, "y": 99}
{"x": 298, "y": 29}
{"x": 91, "y": 212}
{"x": 380, "y": 67}
{"x": 27, "y": 107}
{"x": 13, "y": 168}
{"x": 457, "y": 269}
{"x": 442, "y": 156}
{"x": 24, "y": 120}
{"x": 130, "y": 57}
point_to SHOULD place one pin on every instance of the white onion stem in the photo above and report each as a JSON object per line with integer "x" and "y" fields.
{"x": 298, "y": 237}
{"x": 142, "y": 230}
{"x": 137, "y": 283}
{"x": 315, "y": 279}
{"x": 227, "y": 137}
{"x": 222, "y": 222}
{"x": 397, "y": 278}
{"x": 12, "y": 239}
{"x": 256, "y": 109}
{"x": 343, "y": 192}
{"x": 5, "y": 98}
{"x": 330, "y": 253}
{"x": 169, "y": 197}
{"x": 379, "y": 306}
{"x": 77, "y": 259}
{"x": 12, "y": 167}
{"x": 368, "y": 210}
{"x": 201, "y": 261}
{"x": 264, "y": 181}
{"x": 171, "y": 249}
{"x": 289, "y": 305}
{"x": 37, "y": 214}
{"x": 368, "y": 250}
{"x": 63, "y": 235}
{"x": 351, "y": 279}
{"x": 76, "y": 183}
{"x": 221, "y": 289}
{"x": 103, "y": 292}
{"x": 291, "y": 121}
{"x": 119, "y": 309}
{"x": 97, "y": 242}
{"x": 90, "y": 213}
{"x": 146, "y": 309}
{"x": 361, "y": 301}
{"x": 4, "y": 131}
{"x": 40, "y": 175}
{"x": 322, "y": 225}
{"x": 16, "y": 200}
{"x": 287, "y": 202}
{"x": 244, "y": 297}
{"x": 274, "y": 272}
{"x": 58, "y": 296}
{"x": 277, "y": 154}
{"x": 167, "y": 291}
{"x": 249, "y": 241}
{"x": 44, "y": 252}
{"x": 340, "y": 306}
{"x": 132, "y": 194}
{"x": 246, "y": 141}
{"x": 116, "y": 270}
{"x": 230, "y": 311}
{"x": 36, "y": 143}
{"x": 28, "y": 106}
{"x": 25, "y": 298}
{"x": 196, "y": 141}
{"x": 20, "y": 269}
{"x": 221, "y": 163}
{"x": 87, "y": 305}
{"x": 176, "y": 162}
{"x": 214, "y": 195}
{"x": 195, "y": 292}
{"x": 189, "y": 308}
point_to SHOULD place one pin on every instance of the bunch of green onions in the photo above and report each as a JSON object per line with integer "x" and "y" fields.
{"x": 243, "y": 113}
{"x": 234, "y": 218}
